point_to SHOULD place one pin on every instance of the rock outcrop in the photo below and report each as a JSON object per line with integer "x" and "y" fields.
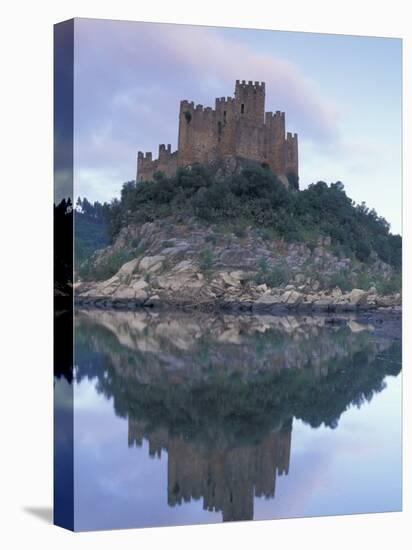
{"x": 195, "y": 266}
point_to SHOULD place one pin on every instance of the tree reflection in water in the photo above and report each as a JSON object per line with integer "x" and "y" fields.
{"x": 219, "y": 393}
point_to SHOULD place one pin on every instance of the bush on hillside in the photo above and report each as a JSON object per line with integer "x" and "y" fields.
{"x": 255, "y": 197}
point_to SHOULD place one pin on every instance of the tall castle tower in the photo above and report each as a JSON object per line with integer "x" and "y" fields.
{"x": 237, "y": 127}
{"x": 250, "y": 101}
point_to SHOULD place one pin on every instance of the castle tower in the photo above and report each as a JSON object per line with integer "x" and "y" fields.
{"x": 275, "y": 149}
{"x": 250, "y": 124}
{"x": 250, "y": 101}
{"x": 226, "y": 116}
{"x": 292, "y": 163}
{"x": 185, "y": 141}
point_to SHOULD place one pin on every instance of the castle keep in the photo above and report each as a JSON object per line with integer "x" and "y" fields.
{"x": 237, "y": 127}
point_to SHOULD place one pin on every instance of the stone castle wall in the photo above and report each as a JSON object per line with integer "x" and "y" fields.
{"x": 166, "y": 163}
{"x": 237, "y": 126}
{"x": 225, "y": 476}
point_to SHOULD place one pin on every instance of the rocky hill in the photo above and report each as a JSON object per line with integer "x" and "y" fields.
{"x": 194, "y": 265}
{"x": 237, "y": 237}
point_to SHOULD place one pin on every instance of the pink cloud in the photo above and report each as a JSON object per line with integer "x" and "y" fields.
{"x": 207, "y": 53}
{"x": 130, "y": 78}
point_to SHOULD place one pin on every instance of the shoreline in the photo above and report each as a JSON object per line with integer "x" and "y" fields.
{"x": 231, "y": 306}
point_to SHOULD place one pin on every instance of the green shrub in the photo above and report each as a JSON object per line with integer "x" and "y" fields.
{"x": 362, "y": 250}
{"x": 240, "y": 231}
{"x": 391, "y": 285}
{"x": 263, "y": 266}
{"x": 293, "y": 180}
{"x": 106, "y": 268}
{"x": 206, "y": 262}
{"x": 274, "y": 277}
{"x": 255, "y": 197}
{"x": 341, "y": 280}
{"x": 363, "y": 280}
{"x": 211, "y": 238}
{"x": 268, "y": 234}
{"x": 278, "y": 275}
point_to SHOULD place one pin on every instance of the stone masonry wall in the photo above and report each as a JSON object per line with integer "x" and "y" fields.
{"x": 147, "y": 167}
{"x": 237, "y": 126}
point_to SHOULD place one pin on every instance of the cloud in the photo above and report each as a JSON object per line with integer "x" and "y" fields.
{"x": 208, "y": 53}
{"x": 130, "y": 78}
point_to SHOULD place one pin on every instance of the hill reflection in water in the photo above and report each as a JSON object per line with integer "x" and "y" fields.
{"x": 219, "y": 393}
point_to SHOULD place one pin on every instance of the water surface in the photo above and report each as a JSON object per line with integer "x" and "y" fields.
{"x": 197, "y": 418}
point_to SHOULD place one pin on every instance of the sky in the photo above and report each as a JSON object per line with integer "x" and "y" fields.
{"x": 355, "y": 468}
{"x": 341, "y": 94}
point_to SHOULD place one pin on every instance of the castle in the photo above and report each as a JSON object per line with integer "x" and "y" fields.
{"x": 227, "y": 476}
{"x": 237, "y": 127}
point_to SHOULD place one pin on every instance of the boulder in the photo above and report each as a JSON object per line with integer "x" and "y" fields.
{"x": 229, "y": 280}
{"x": 138, "y": 285}
{"x": 300, "y": 278}
{"x": 336, "y": 293}
{"x": 124, "y": 292}
{"x": 291, "y": 298}
{"x": 141, "y": 296}
{"x": 127, "y": 269}
{"x": 385, "y": 301}
{"x": 179, "y": 248}
{"x": 262, "y": 288}
{"x": 315, "y": 285}
{"x": 110, "y": 282}
{"x": 184, "y": 265}
{"x": 357, "y": 297}
{"x": 397, "y": 299}
{"x": 155, "y": 268}
{"x": 371, "y": 300}
{"x": 151, "y": 263}
{"x": 268, "y": 299}
{"x": 266, "y": 302}
{"x": 239, "y": 275}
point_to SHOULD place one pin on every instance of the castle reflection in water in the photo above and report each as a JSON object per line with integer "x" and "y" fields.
{"x": 227, "y": 478}
{"x": 218, "y": 394}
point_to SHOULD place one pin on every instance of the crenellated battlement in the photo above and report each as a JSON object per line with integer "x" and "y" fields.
{"x": 271, "y": 118}
{"x": 165, "y": 152}
{"x": 144, "y": 156}
{"x": 224, "y": 101}
{"x": 147, "y": 166}
{"x": 236, "y": 126}
{"x": 187, "y": 105}
{"x": 250, "y": 85}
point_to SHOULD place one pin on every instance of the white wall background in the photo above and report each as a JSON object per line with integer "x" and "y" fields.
{"x": 26, "y": 270}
